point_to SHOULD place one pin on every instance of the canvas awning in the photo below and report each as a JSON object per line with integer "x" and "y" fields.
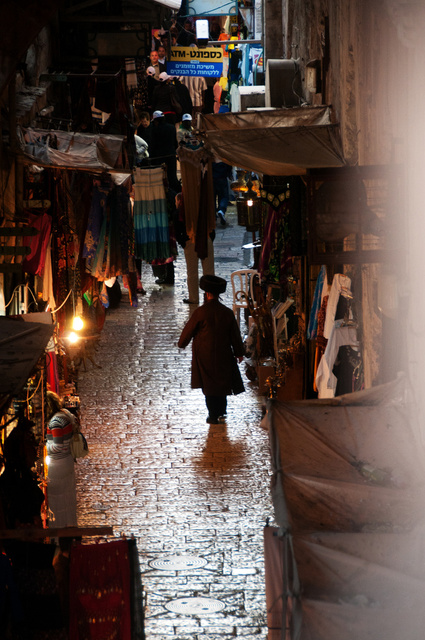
{"x": 21, "y": 345}
{"x": 72, "y": 150}
{"x": 275, "y": 142}
{"x": 348, "y": 491}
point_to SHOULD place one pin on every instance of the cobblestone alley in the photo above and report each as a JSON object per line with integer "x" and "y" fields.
{"x": 158, "y": 472}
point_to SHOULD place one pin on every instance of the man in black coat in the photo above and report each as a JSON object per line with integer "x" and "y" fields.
{"x": 163, "y": 148}
{"x": 217, "y": 346}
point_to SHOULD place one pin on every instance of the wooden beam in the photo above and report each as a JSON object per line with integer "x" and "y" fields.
{"x": 18, "y": 231}
{"x": 35, "y": 533}
{"x": 82, "y": 5}
{"x": 14, "y": 251}
{"x": 8, "y": 267}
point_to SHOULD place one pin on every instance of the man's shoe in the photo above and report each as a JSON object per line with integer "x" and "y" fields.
{"x": 220, "y": 420}
{"x": 222, "y": 219}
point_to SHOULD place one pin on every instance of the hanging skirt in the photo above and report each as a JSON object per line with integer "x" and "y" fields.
{"x": 61, "y": 492}
{"x": 151, "y": 224}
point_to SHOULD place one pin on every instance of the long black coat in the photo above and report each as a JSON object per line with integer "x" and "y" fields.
{"x": 217, "y": 343}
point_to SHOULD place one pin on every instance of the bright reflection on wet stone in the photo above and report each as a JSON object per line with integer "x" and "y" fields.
{"x": 198, "y": 606}
{"x": 158, "y": 472}
{"x": 178, "y": 563}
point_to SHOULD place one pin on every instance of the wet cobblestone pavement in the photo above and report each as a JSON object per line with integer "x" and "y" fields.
{"x": 158, "y": 472}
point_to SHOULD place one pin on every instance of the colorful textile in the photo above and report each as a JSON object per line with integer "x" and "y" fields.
{"x": 100, "y": 592}
{"x": 108, "y": 246}
{"x": 34, "y": 262}
{"x": 315, "y": 307}
{"x": 151, "y": 224}
{"x": 276, "y": 259}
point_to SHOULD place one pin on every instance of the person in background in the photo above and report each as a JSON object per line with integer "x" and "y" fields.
{"x": 183, "y": 95}
{"x": 221, "y": 174}
{"x": 185, "y": 134}
{"x": 165, "y": 99}
{"x": 217, "y": 90}
{"x": 163, "y": 148}
{"x": 61, "y": 489}
{"x": 162, "y": 55}
{"x": 144, "y": 127}
{"x": 174, "y": 35}
{"x": 197, "y": 86}
{"x": 217, "y": 346}
{"x": 21, "y": 498}
{"x": 154, "y": 62}
{"x": 186, "y": 36}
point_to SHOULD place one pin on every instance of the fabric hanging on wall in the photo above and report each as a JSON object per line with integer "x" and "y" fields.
{"x": 198, "y": 192}
{"x": 52, "y": 371}
{"x": 171, "y": 205}
{"x": 151, "y": 225}
{"x": 96, "y": 215}
{"x": 100, "y": 592}
{"x": 321, "y": 285}
{"x": 276, "y": 256}
{"x": 109, "y": 241}
{"x": 34, "y": 262}
{"x": 341, "y": 285}
{"x": 341, "y": 335}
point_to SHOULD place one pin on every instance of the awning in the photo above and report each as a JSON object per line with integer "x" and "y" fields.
{"x": 277, "y": 142}
{"x": 348, "y": 494}
{"x": 21, "y": 345}
{"x": 171, "y": 4}
{"x": 72, "y": 150}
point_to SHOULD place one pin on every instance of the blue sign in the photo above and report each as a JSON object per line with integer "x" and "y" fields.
{"x": 208, "y": 70}
{"x": 191, "y": 61}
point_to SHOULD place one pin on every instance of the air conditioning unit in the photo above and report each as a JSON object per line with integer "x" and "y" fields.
{"x": 283, "y": 84}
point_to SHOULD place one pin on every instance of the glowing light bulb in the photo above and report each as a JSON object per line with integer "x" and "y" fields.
{"x": 47, "y": 460}
{"x": 73, "y": 337}
{"x": 250, "y": 203}
{"x": 77, "y": 323}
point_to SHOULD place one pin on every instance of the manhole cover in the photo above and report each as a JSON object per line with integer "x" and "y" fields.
{"x": 178, "y": 563}
{"x": 200, "y": 606}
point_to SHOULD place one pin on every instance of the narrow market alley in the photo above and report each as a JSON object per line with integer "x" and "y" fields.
{"x": 157, "y": 471}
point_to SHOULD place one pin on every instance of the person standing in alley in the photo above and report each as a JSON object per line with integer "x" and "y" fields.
{"x": 217, "y": 348}
{"x": 221, "y": 174}
{"x": 61, "y": 487}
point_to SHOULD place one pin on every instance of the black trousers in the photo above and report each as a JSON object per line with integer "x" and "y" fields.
{"x": 216, "y": 405}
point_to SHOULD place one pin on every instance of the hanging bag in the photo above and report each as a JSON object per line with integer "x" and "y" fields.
{"x": 78, "y": 446}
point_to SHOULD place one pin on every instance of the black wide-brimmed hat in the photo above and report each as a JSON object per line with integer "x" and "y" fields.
{"x": 213, "y": 284}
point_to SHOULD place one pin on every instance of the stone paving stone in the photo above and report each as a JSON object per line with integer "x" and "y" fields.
{"x": 158, "y": 472}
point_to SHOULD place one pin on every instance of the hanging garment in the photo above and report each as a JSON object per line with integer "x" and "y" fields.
{"x": 276, "y": 256}
{"x": 348, "y": 369}
{"x": 198, "y": 191}
{"x": 95, "y": 221}
{"x": 321, "y": 284}
{"x": 151, "y": 225}
{"x": 341, "y": 285}
{"x": 108, "y": 246}
{"x": 341, "y": 335}
{"x": 321, "y": 341}
{"x": 100, "y": 591}
{"x": 34, "y": 262}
